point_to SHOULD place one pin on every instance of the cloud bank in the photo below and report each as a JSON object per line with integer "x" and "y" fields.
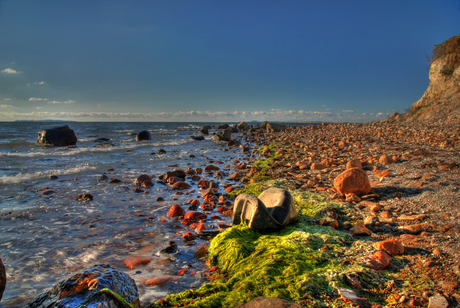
{"x": 200, "y": 116}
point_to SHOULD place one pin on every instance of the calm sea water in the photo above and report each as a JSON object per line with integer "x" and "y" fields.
{"x": 45, "y": 237}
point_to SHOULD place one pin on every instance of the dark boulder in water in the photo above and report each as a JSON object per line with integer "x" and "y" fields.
{"x": 60, "y": 136}
{"x": 97, "y": 286}
{"x": 143, "y": 135}
{"x": 196, "y": 138}
{"x": 223, "y": 135}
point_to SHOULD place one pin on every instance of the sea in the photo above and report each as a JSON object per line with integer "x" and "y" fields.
{"x": 47, "y": 234}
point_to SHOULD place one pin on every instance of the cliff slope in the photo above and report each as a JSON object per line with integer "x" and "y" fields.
{"x": 441, "y": 100}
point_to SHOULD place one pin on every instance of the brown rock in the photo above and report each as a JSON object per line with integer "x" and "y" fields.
{"x": 192, "y": 215}
{"x": 201, "y": 252}
{"x": 352, "y": 198}
{"x": 438, "y": 301}
{"x": 188, "y": 236}
{"x": 181, "y": 185}
{"x": 317, "y": 166}
{"x": 133, "y": 261}
{"x": 392, "y": 247}
{"x": 158, "y": 281}
{"x": 360, "y": 229}
{"x": 379, "y": 260}
{"x": 353, "y": 180}
{"x": 412, "y": 217}
{"x": 382, "y": 173}
{"x": 141, "y": 178}
{"x": 412, "y": 229}
{"x": 386, "y": 160}
{"x": 175, "y": 211}
{"x": 354, "y": 163}
{"x": 211, "y": 168}
{"x": 85, "y": 198}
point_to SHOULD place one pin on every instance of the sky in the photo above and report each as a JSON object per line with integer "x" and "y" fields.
{"x": 217, "y": 61}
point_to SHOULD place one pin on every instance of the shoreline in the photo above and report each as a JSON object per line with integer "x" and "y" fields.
{"x": 413, "y": 200}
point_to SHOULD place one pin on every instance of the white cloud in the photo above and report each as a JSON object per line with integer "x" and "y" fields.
{"x": 40, "y": 83}
{"x": 10, "y": 71}
{"x": 348, "y": 111}
{"x": 200, "y": 116}
{"x": 35, "y": 99}
{"x": 7, "y": 99}
{"x": 38, "y": 107}
{"x": 64, "y": 102}
{"x": 6, "y": 106}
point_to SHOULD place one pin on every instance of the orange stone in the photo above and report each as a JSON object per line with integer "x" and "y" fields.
{"x": 188, "y": 237}
{"x": 354, "y": 163}
{"x": 175, "y": 210}
{"x": 181, "y": 185}
{"x": 134, "y": 262}
{"x": 317, "y": 166}
{"x": 211, "y": 168}
{"x": 386, "y": 160}
{"x": 192, "y": 215}
{"x": 158, "y": 281}
{"x": 354, "y": 181}
{"x": 379, "y": 260}
{"x": 393, "y": 247}
{"x": 228, "y": 189}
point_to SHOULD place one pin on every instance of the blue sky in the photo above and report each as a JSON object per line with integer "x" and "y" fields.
{"x": 198, "y": 60}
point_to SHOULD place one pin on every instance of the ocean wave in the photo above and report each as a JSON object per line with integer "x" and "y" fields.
{"x": 23, "y": 177}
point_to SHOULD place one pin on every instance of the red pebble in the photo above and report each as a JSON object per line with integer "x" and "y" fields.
{"x": 192, "y": 215}
{"x": 175, "y": 210}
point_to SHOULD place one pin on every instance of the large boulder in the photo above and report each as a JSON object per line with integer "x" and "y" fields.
{"x": 242, "y": 126}
{"x": 60, "y": 136}
{"x": 354, "y": 181}
{"x": 221, "y": 126}
{"x": 223, "y": 135}
{"x": 2, "y": 278}
{"x": 272, "y": 210}
{"x": 143, "y": 135}
{"x": 274, "y": 127}
{"x": 97, "y": 286}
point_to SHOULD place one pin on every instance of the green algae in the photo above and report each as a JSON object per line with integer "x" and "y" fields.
{"x": 304, "y": 262}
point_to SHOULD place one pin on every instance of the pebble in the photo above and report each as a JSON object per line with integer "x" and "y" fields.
{"x": 438, "y": 301}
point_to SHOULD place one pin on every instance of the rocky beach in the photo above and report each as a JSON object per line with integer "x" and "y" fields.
{"x": 374, "y": 214}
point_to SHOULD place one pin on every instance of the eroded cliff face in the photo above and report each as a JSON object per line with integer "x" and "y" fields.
{"x": 442, "y": 98}
{"x": 441, "y": 101}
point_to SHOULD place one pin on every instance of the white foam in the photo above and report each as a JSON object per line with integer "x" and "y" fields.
{"x": 22, "y": 177}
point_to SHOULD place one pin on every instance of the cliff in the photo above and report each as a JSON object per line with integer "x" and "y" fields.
{"x": 441, "y": 100}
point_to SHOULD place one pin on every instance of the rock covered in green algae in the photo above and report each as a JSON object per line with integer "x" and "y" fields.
{"x": 289, "y": 265}
{"x": 97, "y": 286}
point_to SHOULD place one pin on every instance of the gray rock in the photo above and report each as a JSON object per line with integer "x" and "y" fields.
{"x": 143, "y": 135}
{"x": 203, "y": 131}
{"x": 196, "y": 138}
{"x": 221, "y": 126}
{"x": 60, "y": 136}
{"x": 96, "y": 287}
{"x": 272, "y": 210}
{"x": 269, "y": 302}
{"x": 242, "y": 126}
{"x": 2, "y": 278}
{"x": 223, "y": 135}
{"x": 273, "y": 127}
